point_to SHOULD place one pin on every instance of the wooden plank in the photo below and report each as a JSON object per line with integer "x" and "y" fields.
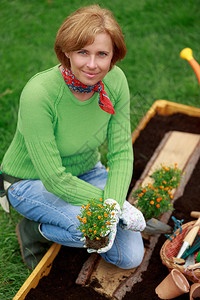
{"x": 178, "y": 147}
{"x": 42, "y": 269}
{"x": 107, "y": 277}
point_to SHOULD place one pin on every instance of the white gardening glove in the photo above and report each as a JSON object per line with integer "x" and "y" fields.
{"x": 131, "y": 218}
{"x": 112, "y": 229}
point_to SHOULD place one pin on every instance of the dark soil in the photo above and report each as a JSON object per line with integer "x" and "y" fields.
{"x": 96, "y": 244}
{"x": 60, "y": 284}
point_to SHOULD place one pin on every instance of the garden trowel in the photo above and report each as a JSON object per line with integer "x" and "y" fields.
{"x": 154, "y": 226}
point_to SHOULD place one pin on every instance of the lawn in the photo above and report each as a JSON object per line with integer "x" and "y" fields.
{"x": 155, "y": 33}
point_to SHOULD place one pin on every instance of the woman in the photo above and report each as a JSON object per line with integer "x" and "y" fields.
{"x": 53, "y": 162}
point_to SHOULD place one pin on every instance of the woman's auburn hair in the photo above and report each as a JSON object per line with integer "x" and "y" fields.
{"x": 80, "y": 29}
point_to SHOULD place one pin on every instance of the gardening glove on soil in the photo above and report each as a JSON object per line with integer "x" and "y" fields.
{"x": 113, "y": 227}
{"x": 131, "y": 218}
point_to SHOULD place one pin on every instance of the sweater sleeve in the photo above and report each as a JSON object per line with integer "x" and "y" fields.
{"x": 36, "y": 119}
{"x": 120, "y": 152}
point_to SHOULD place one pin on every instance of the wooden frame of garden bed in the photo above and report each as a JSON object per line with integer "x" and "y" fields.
{"x": 161, "y": 107}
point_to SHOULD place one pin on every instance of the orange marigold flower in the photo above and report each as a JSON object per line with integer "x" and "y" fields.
{"x": 112, "y": 213}
{"x": 164, "y": 182}
{"x": 161, "y": 187}
{"x": 95, "y": 225}
{"x": 87, "y": 206}
{"x": 171, "y": 196}
{"x": 159, "y": 199}
{"x": 97, "y": 238}
{"x": 90, "y": 229}
{"x": 167, "y": 169}
{"x": 108, "y": 223}
{"x": 152, "y": 202}
{"x": 85, "y": 234}
{"x": 78, "y": 217}
{"x": 166, "y": 188}
{"x": 95, "y": 231}
{"x": 144, "y": 190}
{"x": 105, "y": 215}
{"x": 103, "y": 226}
{"x": 84, "y": 220}
{"x": 99, "y": 217}
{"x": 89, "y": 213}
{"x": 157, "y": 205}
{"x": 83, "y": 230}
{"x": 100, "y": 199}
{"x": 141, "y": 194}
{"x": 82, "y": 206}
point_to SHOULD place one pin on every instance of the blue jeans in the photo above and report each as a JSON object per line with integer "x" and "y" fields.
{"x": 59, "y": 221}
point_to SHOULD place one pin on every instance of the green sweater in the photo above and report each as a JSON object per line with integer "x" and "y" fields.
{"x": 58, "y": 136}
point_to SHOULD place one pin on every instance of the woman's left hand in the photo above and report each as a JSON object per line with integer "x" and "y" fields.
{"x": 131, "y": 218}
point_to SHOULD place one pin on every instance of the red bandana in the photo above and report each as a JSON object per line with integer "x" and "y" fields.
{"x": 77, "y": 86}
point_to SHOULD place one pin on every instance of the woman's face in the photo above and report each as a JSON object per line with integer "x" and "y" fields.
{"x": 91, "y": 63}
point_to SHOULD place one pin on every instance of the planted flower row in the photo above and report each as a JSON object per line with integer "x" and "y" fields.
{"x": 155, "y": 198}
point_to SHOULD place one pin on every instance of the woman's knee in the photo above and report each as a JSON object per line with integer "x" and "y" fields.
{"x": 127, "y": 252}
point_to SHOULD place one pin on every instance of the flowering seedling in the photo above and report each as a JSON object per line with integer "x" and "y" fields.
{"x": 155, "y": 199}
{"x": 95, "y": 219}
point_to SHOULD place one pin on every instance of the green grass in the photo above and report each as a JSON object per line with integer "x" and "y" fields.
{"x": 155, "y": 33}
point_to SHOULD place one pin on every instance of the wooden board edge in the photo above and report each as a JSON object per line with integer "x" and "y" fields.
{"x": 42, "y": 269}
{"x": 164, "y": 108}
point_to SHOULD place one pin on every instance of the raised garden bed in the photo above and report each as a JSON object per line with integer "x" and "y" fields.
{"x": 60, "y": 283}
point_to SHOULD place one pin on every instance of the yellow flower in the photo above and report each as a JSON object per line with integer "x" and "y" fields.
{"x": 95, "y": 225}
{"x": 83, "y": 230}
{"x": 97, "y": 238}
{"x": 95, "y": 231}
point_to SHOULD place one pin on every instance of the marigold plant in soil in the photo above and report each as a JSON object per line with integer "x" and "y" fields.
{"x": 155, "y": 198}
{"x": 95, "y": 220}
